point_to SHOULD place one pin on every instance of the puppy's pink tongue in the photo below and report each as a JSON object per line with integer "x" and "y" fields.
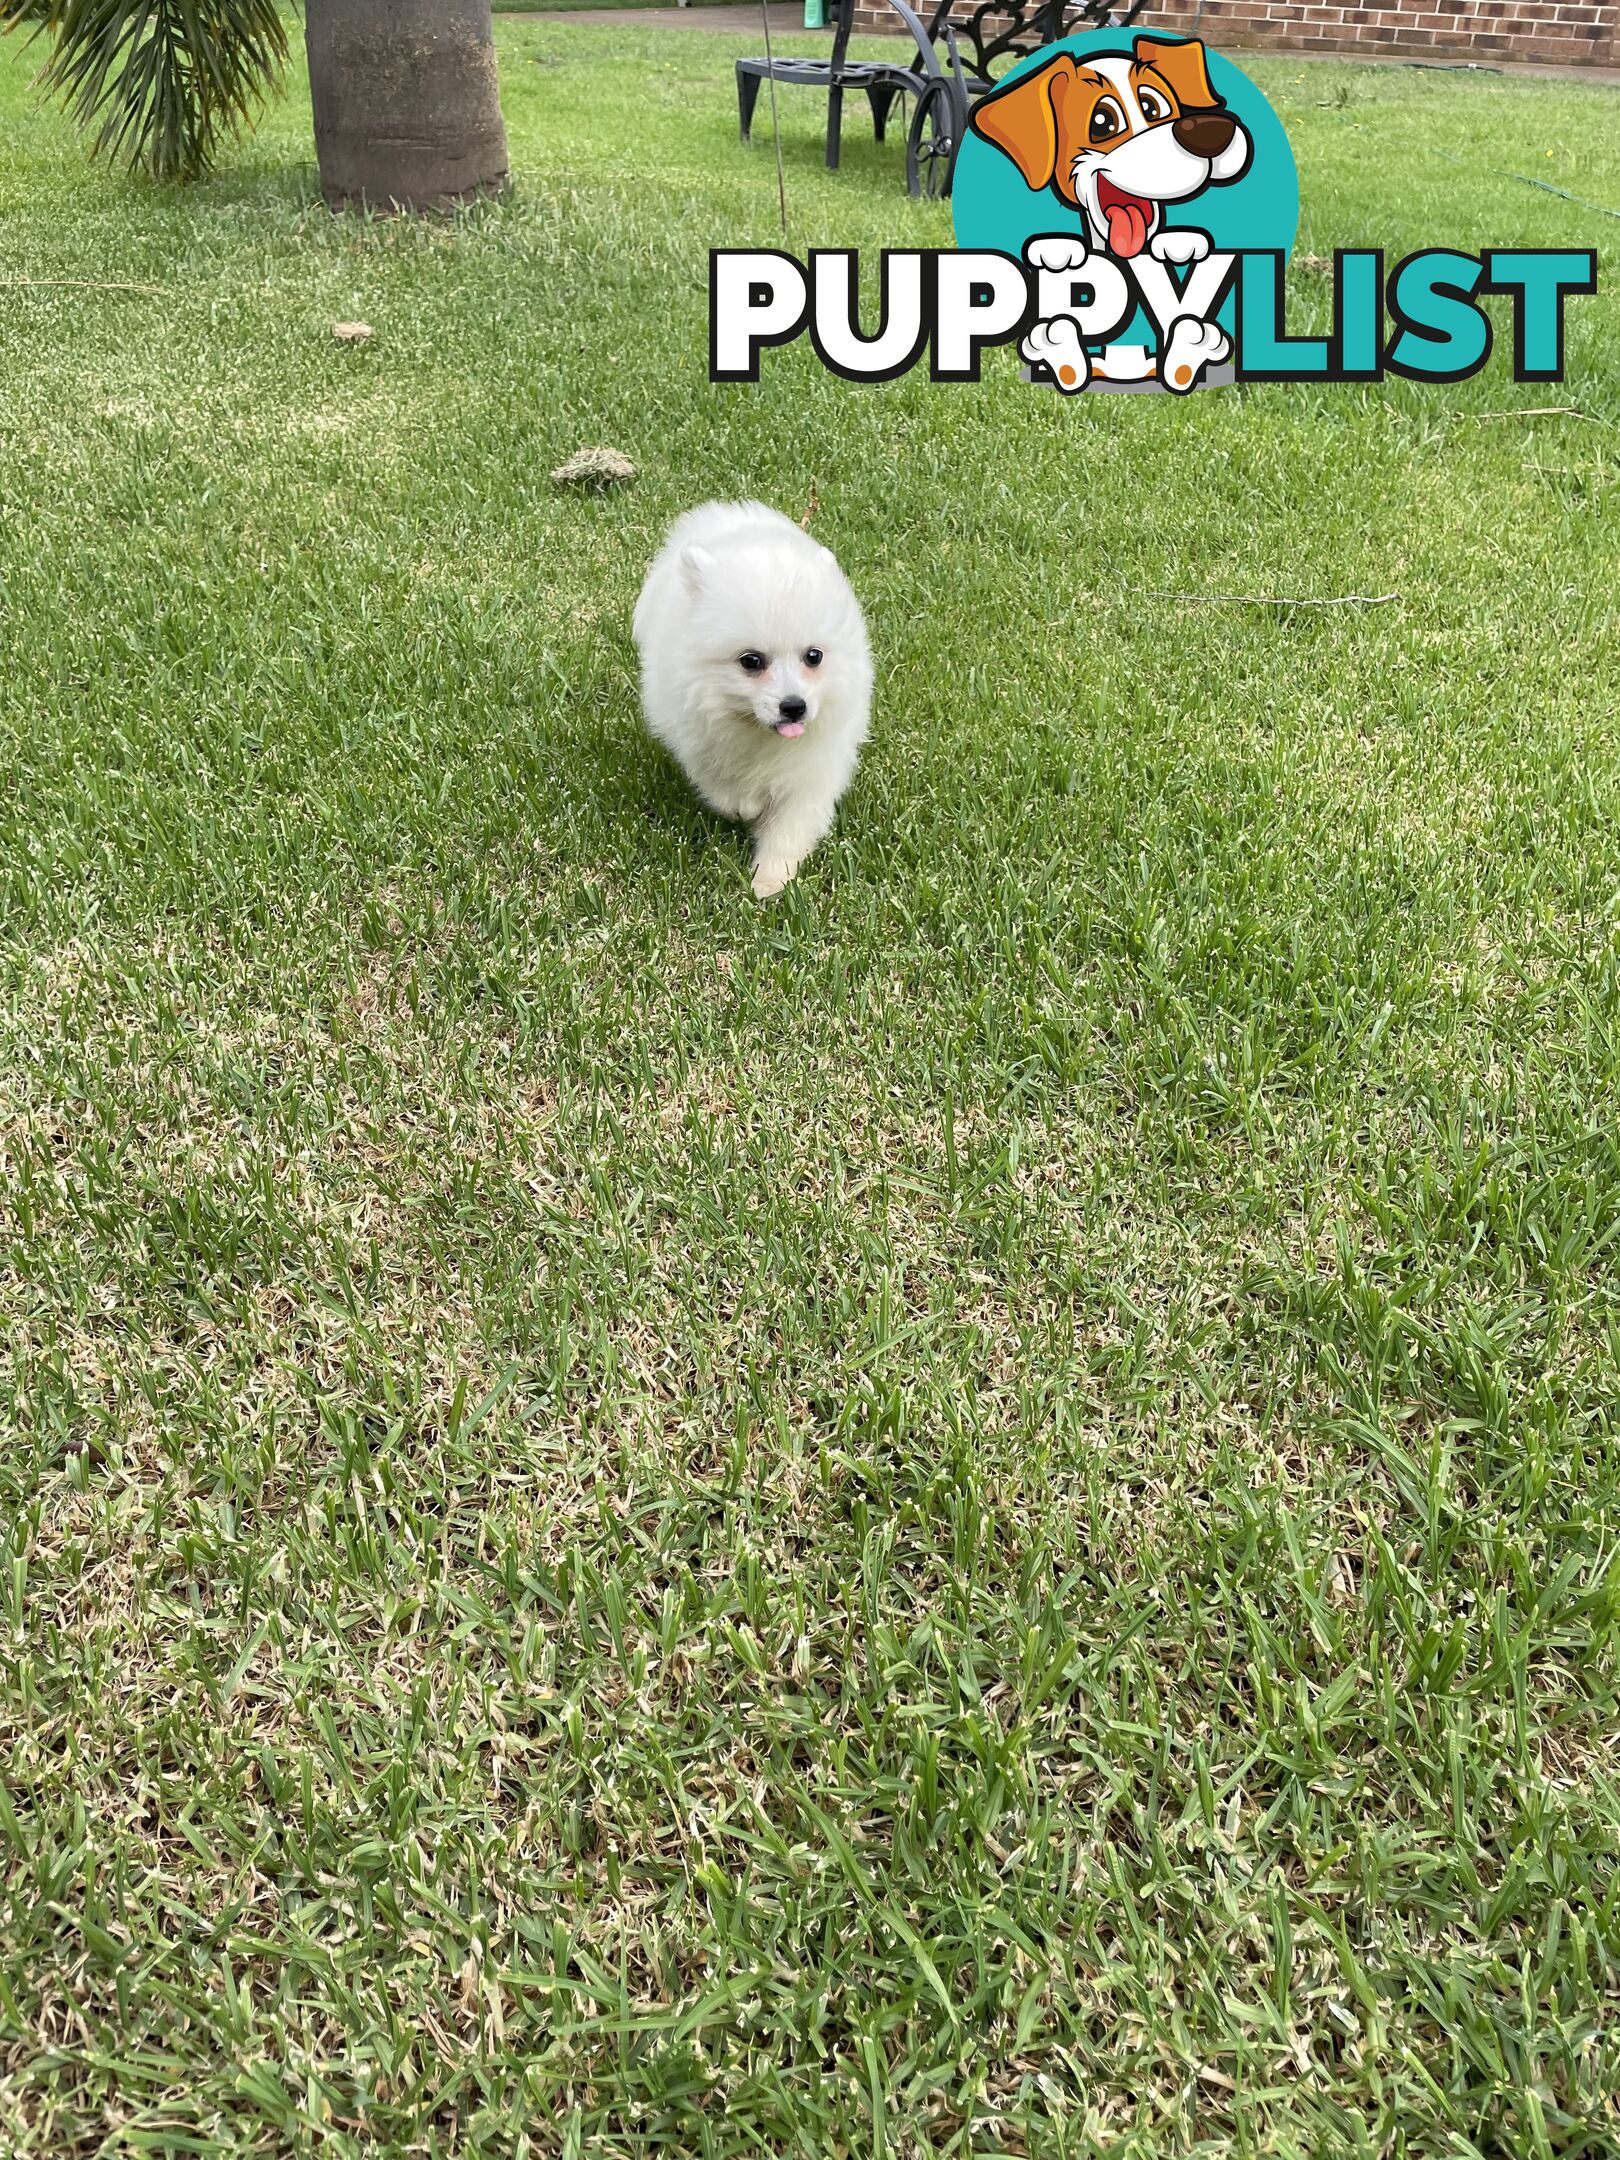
{"x": 1127, "y": 228}
{"x": 790, "y": 727}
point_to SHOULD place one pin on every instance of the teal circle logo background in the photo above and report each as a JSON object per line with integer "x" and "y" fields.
{"x": 992, "y": 208}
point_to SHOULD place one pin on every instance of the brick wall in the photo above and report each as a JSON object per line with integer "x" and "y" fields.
{"x": 1571, "y": 33}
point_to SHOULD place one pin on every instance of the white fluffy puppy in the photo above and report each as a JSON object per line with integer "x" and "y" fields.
{"x": 756, "y": 675}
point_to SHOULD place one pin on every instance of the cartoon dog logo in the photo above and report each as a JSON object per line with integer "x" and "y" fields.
{"x": 1118, "y": 135}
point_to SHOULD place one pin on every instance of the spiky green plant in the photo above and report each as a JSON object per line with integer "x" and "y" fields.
{"x": 165, "y": 79}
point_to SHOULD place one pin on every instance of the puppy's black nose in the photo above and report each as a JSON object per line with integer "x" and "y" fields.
{"x": 1205, "y": 134}
{"x": 791, "y": 708}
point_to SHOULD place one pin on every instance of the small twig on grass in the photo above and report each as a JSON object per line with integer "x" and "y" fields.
{"x": 811, "y": 507}
{"x": 1251, "y": 599}
{"x": 1547, "y": 187}
{"x": 1529, "y": 412}
{"x": 79, "y": 284}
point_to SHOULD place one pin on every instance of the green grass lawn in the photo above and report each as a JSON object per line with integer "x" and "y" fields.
{"x": 973, "y": 1513}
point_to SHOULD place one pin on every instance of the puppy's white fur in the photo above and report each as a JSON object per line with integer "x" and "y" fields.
{"x": 736, "y": 580}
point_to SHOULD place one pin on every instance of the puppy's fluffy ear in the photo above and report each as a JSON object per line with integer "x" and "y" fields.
{"x": 1024, "y": 121}
{"x": 695, "y": 568}
{"x": 1183, "y": 66}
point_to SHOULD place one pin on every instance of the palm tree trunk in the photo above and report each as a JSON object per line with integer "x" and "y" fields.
{"x": 407, "y": 107}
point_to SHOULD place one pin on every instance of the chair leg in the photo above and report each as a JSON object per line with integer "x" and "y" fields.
{"x": 880, "y": 96}
{"x": 747, "y": 98}
{"x": 835, "y": 124}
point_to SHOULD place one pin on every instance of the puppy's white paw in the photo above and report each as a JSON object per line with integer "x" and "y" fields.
{"x": 1191, "y": 347}
{"x": 1179, "y": 244}
{"x": 1056, "y": 251}
{"x": 1056, "y": 345}
{"x": 771, "y": 875}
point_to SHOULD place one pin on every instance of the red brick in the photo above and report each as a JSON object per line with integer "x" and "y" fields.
{"x": 1569, "y": 31}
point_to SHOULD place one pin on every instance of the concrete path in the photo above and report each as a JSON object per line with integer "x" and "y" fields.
{"x": 787, "y": 20}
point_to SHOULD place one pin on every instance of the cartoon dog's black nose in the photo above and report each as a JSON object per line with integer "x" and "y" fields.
{"x": 1205, "y": 134}
{"x": 791, "y": 708}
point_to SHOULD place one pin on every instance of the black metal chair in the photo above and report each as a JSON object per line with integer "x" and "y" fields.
{"x": 993, "y": 31}
{"x": 943, "y": 90}
{"x": 882, "y": 80}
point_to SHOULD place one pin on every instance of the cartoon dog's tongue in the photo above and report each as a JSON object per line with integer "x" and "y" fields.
{"x": 1127, "y": 216}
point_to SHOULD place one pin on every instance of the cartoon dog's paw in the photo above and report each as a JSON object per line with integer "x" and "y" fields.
{"x": 1057, "y": 251}
{"x": 1056, "y": 345}
{"x": 1179, "y": 244}
{"x": 1191, "y": 347}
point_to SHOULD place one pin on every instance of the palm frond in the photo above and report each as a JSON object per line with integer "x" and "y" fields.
{"x": 165, "y": 79}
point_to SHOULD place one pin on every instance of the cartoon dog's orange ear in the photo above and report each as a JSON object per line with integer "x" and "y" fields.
{"x": 1181, "y": 62}
{"x": 1025, "y": 119}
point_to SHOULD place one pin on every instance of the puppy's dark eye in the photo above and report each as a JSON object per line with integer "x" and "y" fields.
{"x": 753, "y": 663}
{"x": 813, "y": 656}
{"x": 1154, "y": 109}
{"x": 1107, "y": 121}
